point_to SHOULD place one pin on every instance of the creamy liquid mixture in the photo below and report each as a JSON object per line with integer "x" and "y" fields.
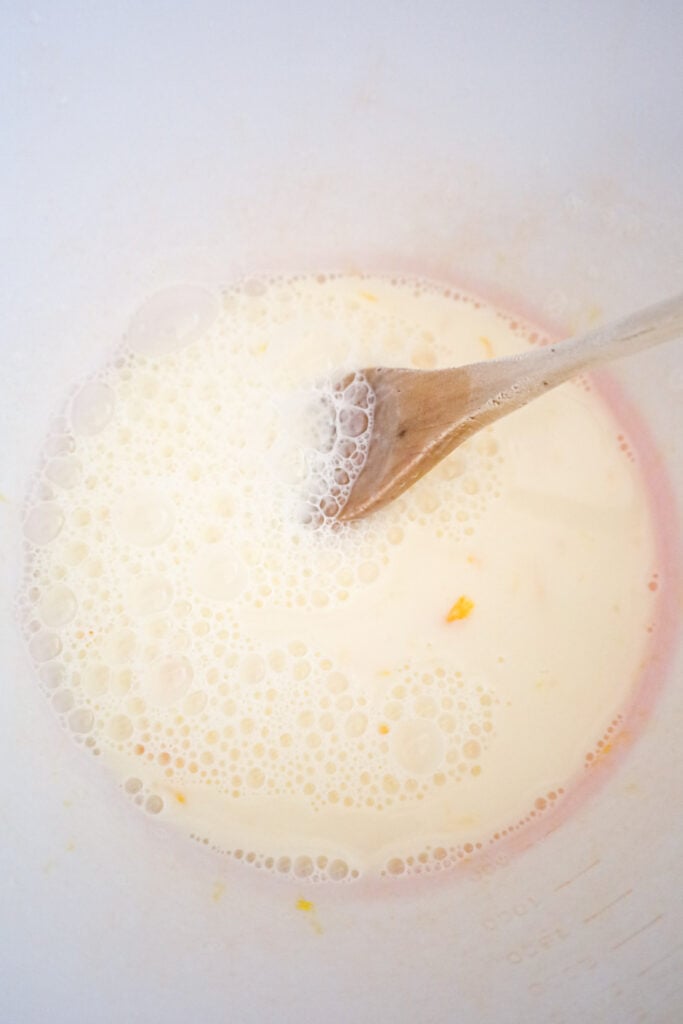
{"x": 382, "y": 698}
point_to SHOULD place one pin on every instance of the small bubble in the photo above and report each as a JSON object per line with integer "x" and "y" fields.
{"x": 120, "y": 728}
{"x": 356, "y": 724}
{"x": 53, "y": 675}
{"x": 95, "y": 679}
{"x": 43, "y": 523}
{"x": 143, "y": 517}
{"x": 120, "y": 646}
{"x": 471, "y": 749}
{"x": 64, "y": 470}
{"x": 81, "y": 720}
{"x": 218, "y": 573}
{"x": 57, "y": 606}
{"x": 338, "y": 870}
{"x": 195, "y": 703}
{"x": 92, "y": 408}
{"x": 252, "y": 669}
{"x": 63, "y": 701}
{"x": 303, "y": 867}
{"x": 337, "y": 683}
{"x": 149, "y": 595}
{"x": 44, "y": 646}
{"x": 167, "y": 680}
{"x": 255, "y": 778}
{"x": 154, "y": 804}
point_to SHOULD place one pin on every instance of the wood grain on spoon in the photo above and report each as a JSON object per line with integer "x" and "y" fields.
{"x": 420, "y": 416}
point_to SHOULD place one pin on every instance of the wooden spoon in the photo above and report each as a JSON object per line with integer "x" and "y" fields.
{"x": 420, "y": 416}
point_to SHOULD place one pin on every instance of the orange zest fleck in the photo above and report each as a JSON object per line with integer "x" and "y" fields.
{"x": 383, "y": 729}
{"x": 305, "y": 905}
{"x": 180, "y": 797}
{"x": 368, "y": 296}
{"x": 488, "y": 347}
{"x": 460, "y": 610}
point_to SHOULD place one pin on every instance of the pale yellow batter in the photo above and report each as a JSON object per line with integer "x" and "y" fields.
{"x": 330, "y": 702}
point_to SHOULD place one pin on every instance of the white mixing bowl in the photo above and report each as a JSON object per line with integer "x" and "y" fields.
{"x": 531, "y": 150}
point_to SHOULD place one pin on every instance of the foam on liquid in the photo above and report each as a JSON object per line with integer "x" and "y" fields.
{"x": 291, "y": 692}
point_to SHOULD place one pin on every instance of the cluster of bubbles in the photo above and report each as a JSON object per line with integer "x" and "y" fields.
{"x": 165, "y": 515}
{"x": 246, "y": 720}
{"x": 343, "y": 417}
{"x": 157, "y": 442}
{"x": 301, "y": 866}
{"x": 433, "y": 859}
{"x": 612, "y": 738}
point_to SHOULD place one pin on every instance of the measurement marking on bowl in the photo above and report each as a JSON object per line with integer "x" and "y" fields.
{"x": 607, "y": 906}
{"x": 637, "y": 932}
{"x": 544, "y": 942}
{"x": 574, "y": 970}
{"x": 584, "y": 871}
{"x": 505, "y": 916}
{"x": 660, "y": 960}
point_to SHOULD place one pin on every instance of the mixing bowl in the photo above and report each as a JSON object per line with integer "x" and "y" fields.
{"x": 529, "y": 151}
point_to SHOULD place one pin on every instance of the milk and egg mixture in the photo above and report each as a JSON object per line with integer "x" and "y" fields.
{"x": 384, "y": 697}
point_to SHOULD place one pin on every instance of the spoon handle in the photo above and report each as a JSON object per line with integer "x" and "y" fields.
{"x": 553, "y": 364}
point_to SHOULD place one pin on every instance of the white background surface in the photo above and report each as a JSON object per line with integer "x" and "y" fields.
{"x": 533, "y": 149}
